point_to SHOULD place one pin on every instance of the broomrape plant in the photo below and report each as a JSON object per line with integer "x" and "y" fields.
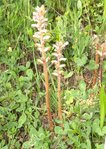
{"x": 59, "y": 46}
{"x": 41, "y": 38}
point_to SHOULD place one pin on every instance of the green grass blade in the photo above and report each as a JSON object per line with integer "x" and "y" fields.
{"x": 104, "y": 13}
{"x": 102, "y": 106}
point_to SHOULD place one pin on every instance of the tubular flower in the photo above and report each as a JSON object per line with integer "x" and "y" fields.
{"x": 59, "y": 46}
{"x": 40, "y": 24}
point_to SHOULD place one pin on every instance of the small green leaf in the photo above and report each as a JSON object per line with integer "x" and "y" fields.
{"x": 68, "y": 97}
{"x": 28, "y": 64}
{"x": 104, "y": 65}
{"x": 81, "y": 61}
{"x": 21, "y": 120}
{"x": 29, "y": 73}
{"x": 58, "y": 130}
{"x": 82, "y": 85}
{"x": 92, "y": 65}
{"x": 68, "y": 75}
{"x": 27, "y": 144}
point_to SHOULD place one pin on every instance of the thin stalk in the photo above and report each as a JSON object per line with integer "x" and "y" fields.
{"x": 100, "y": 70}
{"x": 95, "y": 71}
{"x": 59, "y": 98}
{"x": 59, "y": 88}
{"x": 47, "y": 95}
{"x": 46, "y": 84}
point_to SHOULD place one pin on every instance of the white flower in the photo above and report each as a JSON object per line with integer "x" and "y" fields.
{"x": 38, "y": 45}
{"x": 39, "y": 61}
{"x": 35, "y": 25}
{"x": 46, "y": 37}
{"x": 55, "y": 54}
{"x": 99, "y": 52}
{"x": 61, "y": 72}
{"x": 46, "y": 49}
{"x": 47, "y": 59}
{"x": 66, "y": 43}
{"x": 55, "y": 46}
{"x": 37, "y": 35}
{"x": 62, "y": 59}
{"x": 62, "y": 65}
{"x": 37, "y": 8}
{"x": 44, "y": 30}
{"x": 40, "y": 49}
{"x": 55, "y": 74}
{"x": 54, "y": 61}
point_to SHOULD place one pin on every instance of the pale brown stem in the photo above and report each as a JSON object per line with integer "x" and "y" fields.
{"x": 59, "y": 98}
{"x": 97, "y": 59}
{"x": 47, "y": 95}
{"x": 100, "y": 70}
{"x": 95, "y": 71}
{"x": 46, "y": 85}
{"x": 59, "y": 89}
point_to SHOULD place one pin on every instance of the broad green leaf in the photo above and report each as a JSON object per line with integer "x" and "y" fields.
{"x": 21, "y": 120}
